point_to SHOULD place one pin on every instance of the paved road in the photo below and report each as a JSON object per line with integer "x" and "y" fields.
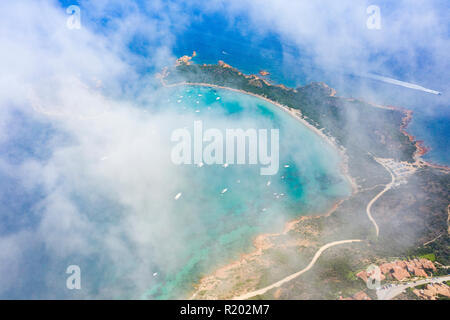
{"x": 369, "y": 205}
{"x": 394, "y": 290}
{"x": 295, "y": 275}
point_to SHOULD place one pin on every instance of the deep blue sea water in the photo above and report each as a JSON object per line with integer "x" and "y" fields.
{"x": 213, "y": 38}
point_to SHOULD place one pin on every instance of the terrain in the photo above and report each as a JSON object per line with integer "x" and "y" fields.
{"x": 399, "y": 208}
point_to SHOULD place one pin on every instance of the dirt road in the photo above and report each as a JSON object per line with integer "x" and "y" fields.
{"x": 295, "y": 275}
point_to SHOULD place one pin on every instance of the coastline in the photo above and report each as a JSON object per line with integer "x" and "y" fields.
{"x": 262, "y": 241}
{"x": 296, "y": 114}
{"x": 421, "y": 148}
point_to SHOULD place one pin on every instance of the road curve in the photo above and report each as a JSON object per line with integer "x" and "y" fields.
{"x": 295, "y": 275}
{"x": 369, "y": 205}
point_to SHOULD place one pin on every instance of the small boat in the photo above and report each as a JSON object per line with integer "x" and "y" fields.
{"x": 225, "y": 165}
{"x": 224, "y": 190}
{"x": 178, "y": 196}
{"x": 268, "y": 183}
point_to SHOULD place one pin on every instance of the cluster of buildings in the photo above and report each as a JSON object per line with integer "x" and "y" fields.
{"x": 401, "y": 170}
{"x": 432, "y": 290}
{"x": 401, "y": 270}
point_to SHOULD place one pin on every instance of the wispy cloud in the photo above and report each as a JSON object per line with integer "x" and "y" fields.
{"x": 413, "y": 39}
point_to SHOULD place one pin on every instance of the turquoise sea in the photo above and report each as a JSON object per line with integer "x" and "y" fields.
{"x": 104, "y": 195}
{"x": 214, "y": 38}
{"x": 156, "y": 247}
{"x": 308, "y": 182}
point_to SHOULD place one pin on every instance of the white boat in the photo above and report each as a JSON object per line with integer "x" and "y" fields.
{"x": 224, "y": 190}
{"x": 178, "y": 196}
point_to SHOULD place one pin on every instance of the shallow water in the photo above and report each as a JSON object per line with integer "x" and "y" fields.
{"x": 308, "y": 181}
{"x": 117, "y": 218}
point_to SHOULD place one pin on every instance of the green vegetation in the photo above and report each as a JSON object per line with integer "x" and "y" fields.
{"x": 438, "y": 250}
{"x": 429, "y": 256}
{"x": 378, "y": 129}
{"x": 410, "y": 295}
{"x": 418, "y": 208}
{"x": 421, "y": 286}
{"x": 351, "y": 276}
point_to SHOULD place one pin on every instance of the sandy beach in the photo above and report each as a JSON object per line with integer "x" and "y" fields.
{"x": 262, "y": 241}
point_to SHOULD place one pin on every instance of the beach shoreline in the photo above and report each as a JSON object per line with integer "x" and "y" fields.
{"x": 262, "y": 241}
{"x": 296, "y": 114}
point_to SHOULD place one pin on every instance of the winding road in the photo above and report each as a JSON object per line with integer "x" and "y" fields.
{"x": 295, "y": 275}
{"x": 369, "y": 206}
{"x": 324, "y": 247}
